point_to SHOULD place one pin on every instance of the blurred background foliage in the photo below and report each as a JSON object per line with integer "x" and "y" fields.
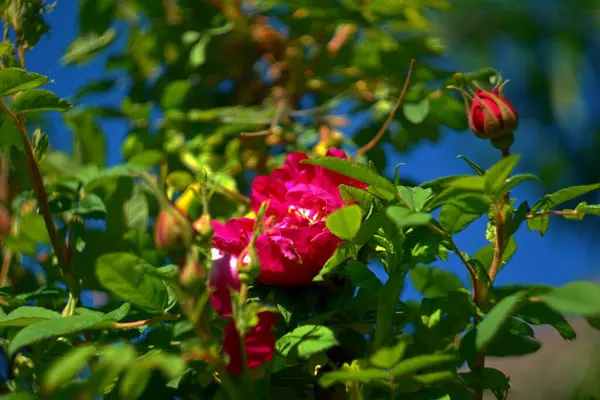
{"x": 301, "y": 72}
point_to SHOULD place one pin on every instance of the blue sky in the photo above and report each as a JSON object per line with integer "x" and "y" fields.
{"x": 554, "y": 259}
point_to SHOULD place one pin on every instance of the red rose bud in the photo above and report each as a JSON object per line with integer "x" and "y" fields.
{"x": 491, "y": 115}
{"x": 172, "y": 230}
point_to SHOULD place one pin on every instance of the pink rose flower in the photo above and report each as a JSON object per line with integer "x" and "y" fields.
{"x": 295, "y": 247}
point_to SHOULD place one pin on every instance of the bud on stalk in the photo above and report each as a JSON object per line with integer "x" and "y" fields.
{"x": 172, "y": 230}
{"x": 491, "y": 116}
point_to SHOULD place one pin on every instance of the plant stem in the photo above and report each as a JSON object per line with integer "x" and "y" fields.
{"x": 499, "y": 246}
{"x": 40, "y": 191}
{"x": 390, "y": 117}
{"x": 499, "y": 242}
{"x": 572, "y": 213}
{"x": 149, "y": 321}
{"x": 456, "y": 250}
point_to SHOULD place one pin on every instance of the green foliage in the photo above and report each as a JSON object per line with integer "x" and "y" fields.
{"x": 156, "y": 328}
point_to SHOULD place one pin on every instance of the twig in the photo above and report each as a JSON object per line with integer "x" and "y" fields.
{"x": 38, "y": 184}
{"x": 456, "y": 250}
{"x": 5, "y": 267}
{"x": 390, "y": 117}
{"x": 232, "y": 193}
{"x": 149, "y": 321}
{"x": 572, "y": 213}
{"x": 279, "y": 109}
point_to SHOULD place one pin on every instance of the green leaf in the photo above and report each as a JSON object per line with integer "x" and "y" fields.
{"x": 513, "y": 181}
{"x": 473, "y": 166}
{"x": 539, "y": 223}
{"x": 487, "y": 378}
{"x": 146, "y": 158}
{"x": 459, "y": 212}
{"x": 345, "y": 222}
{"x": 306, "y": 340}
{"x": 137, "y": 211}
{"x": 417, "y": 112}
{"x": 87, "y": 46}
{"x": 18, "y": 396}
{"x": 24, "y": 316}
{"x": 404, "y": 217}
{"x": 40, "y": 144}
{"x": 418, "y": 363}
{"x": 434, "y": 282}
{"x": 91, "y": 206}
{"x": 35, "y": 100}
{"x": 541, "y": 314}
{"x": 351, "y": 194}
{"x": 136, "y": 378}
{"x": 95, "y": 15}
{"x": 575, "y": 298}
{"x": 387, "y": 357}
{"x": 496, "y": 176}
{"x": 115, "y": 359}
{"x": 517, "y": 218}
{"x": 57, "y": 327}
{"x": 344, "y": 251}
{"x": 33, "y": 227}
{"x": 175, "y": 94}
{"x": 66, "y": 368}
{"x": 89, "y": 145}
{"x": 14, "y": 80}
{"x": 131, "y": 278}
{"x": 494, "y": 320}
{"x": 356, "y": 171}
{"x": 365, "y": 376}
{"x": 95, "y": 87}
{"x": 564, "y": 195}
{"x": 585, "y": 208}
{"x": 362, "y": 276}
{"x": 4, "y": 48}
{"x": 9, "y": 134}
{"x": 198, "y": 51}
{"x": 414, "y": 197}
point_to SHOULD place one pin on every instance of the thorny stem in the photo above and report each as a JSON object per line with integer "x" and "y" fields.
{"x": 499, "y": 246}
{"x": 40, "y": 191}
{"x": 390, "y": 117}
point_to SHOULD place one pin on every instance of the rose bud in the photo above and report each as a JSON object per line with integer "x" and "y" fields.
{"x": 171, "y": 230}
{"x": 491, "y": 115}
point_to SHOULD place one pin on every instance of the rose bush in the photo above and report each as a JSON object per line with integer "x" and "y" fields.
{"x": 115, "y": 287}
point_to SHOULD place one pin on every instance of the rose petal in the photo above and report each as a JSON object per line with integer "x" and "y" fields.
{"x": 260, "y": 344}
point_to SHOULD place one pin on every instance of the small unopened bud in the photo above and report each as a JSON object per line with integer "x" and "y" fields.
{"x": 491, "y": 115}
{"x": 171, "y": 230}
{"x": 203, "y": 225}
{"x": 191, "y": 272}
